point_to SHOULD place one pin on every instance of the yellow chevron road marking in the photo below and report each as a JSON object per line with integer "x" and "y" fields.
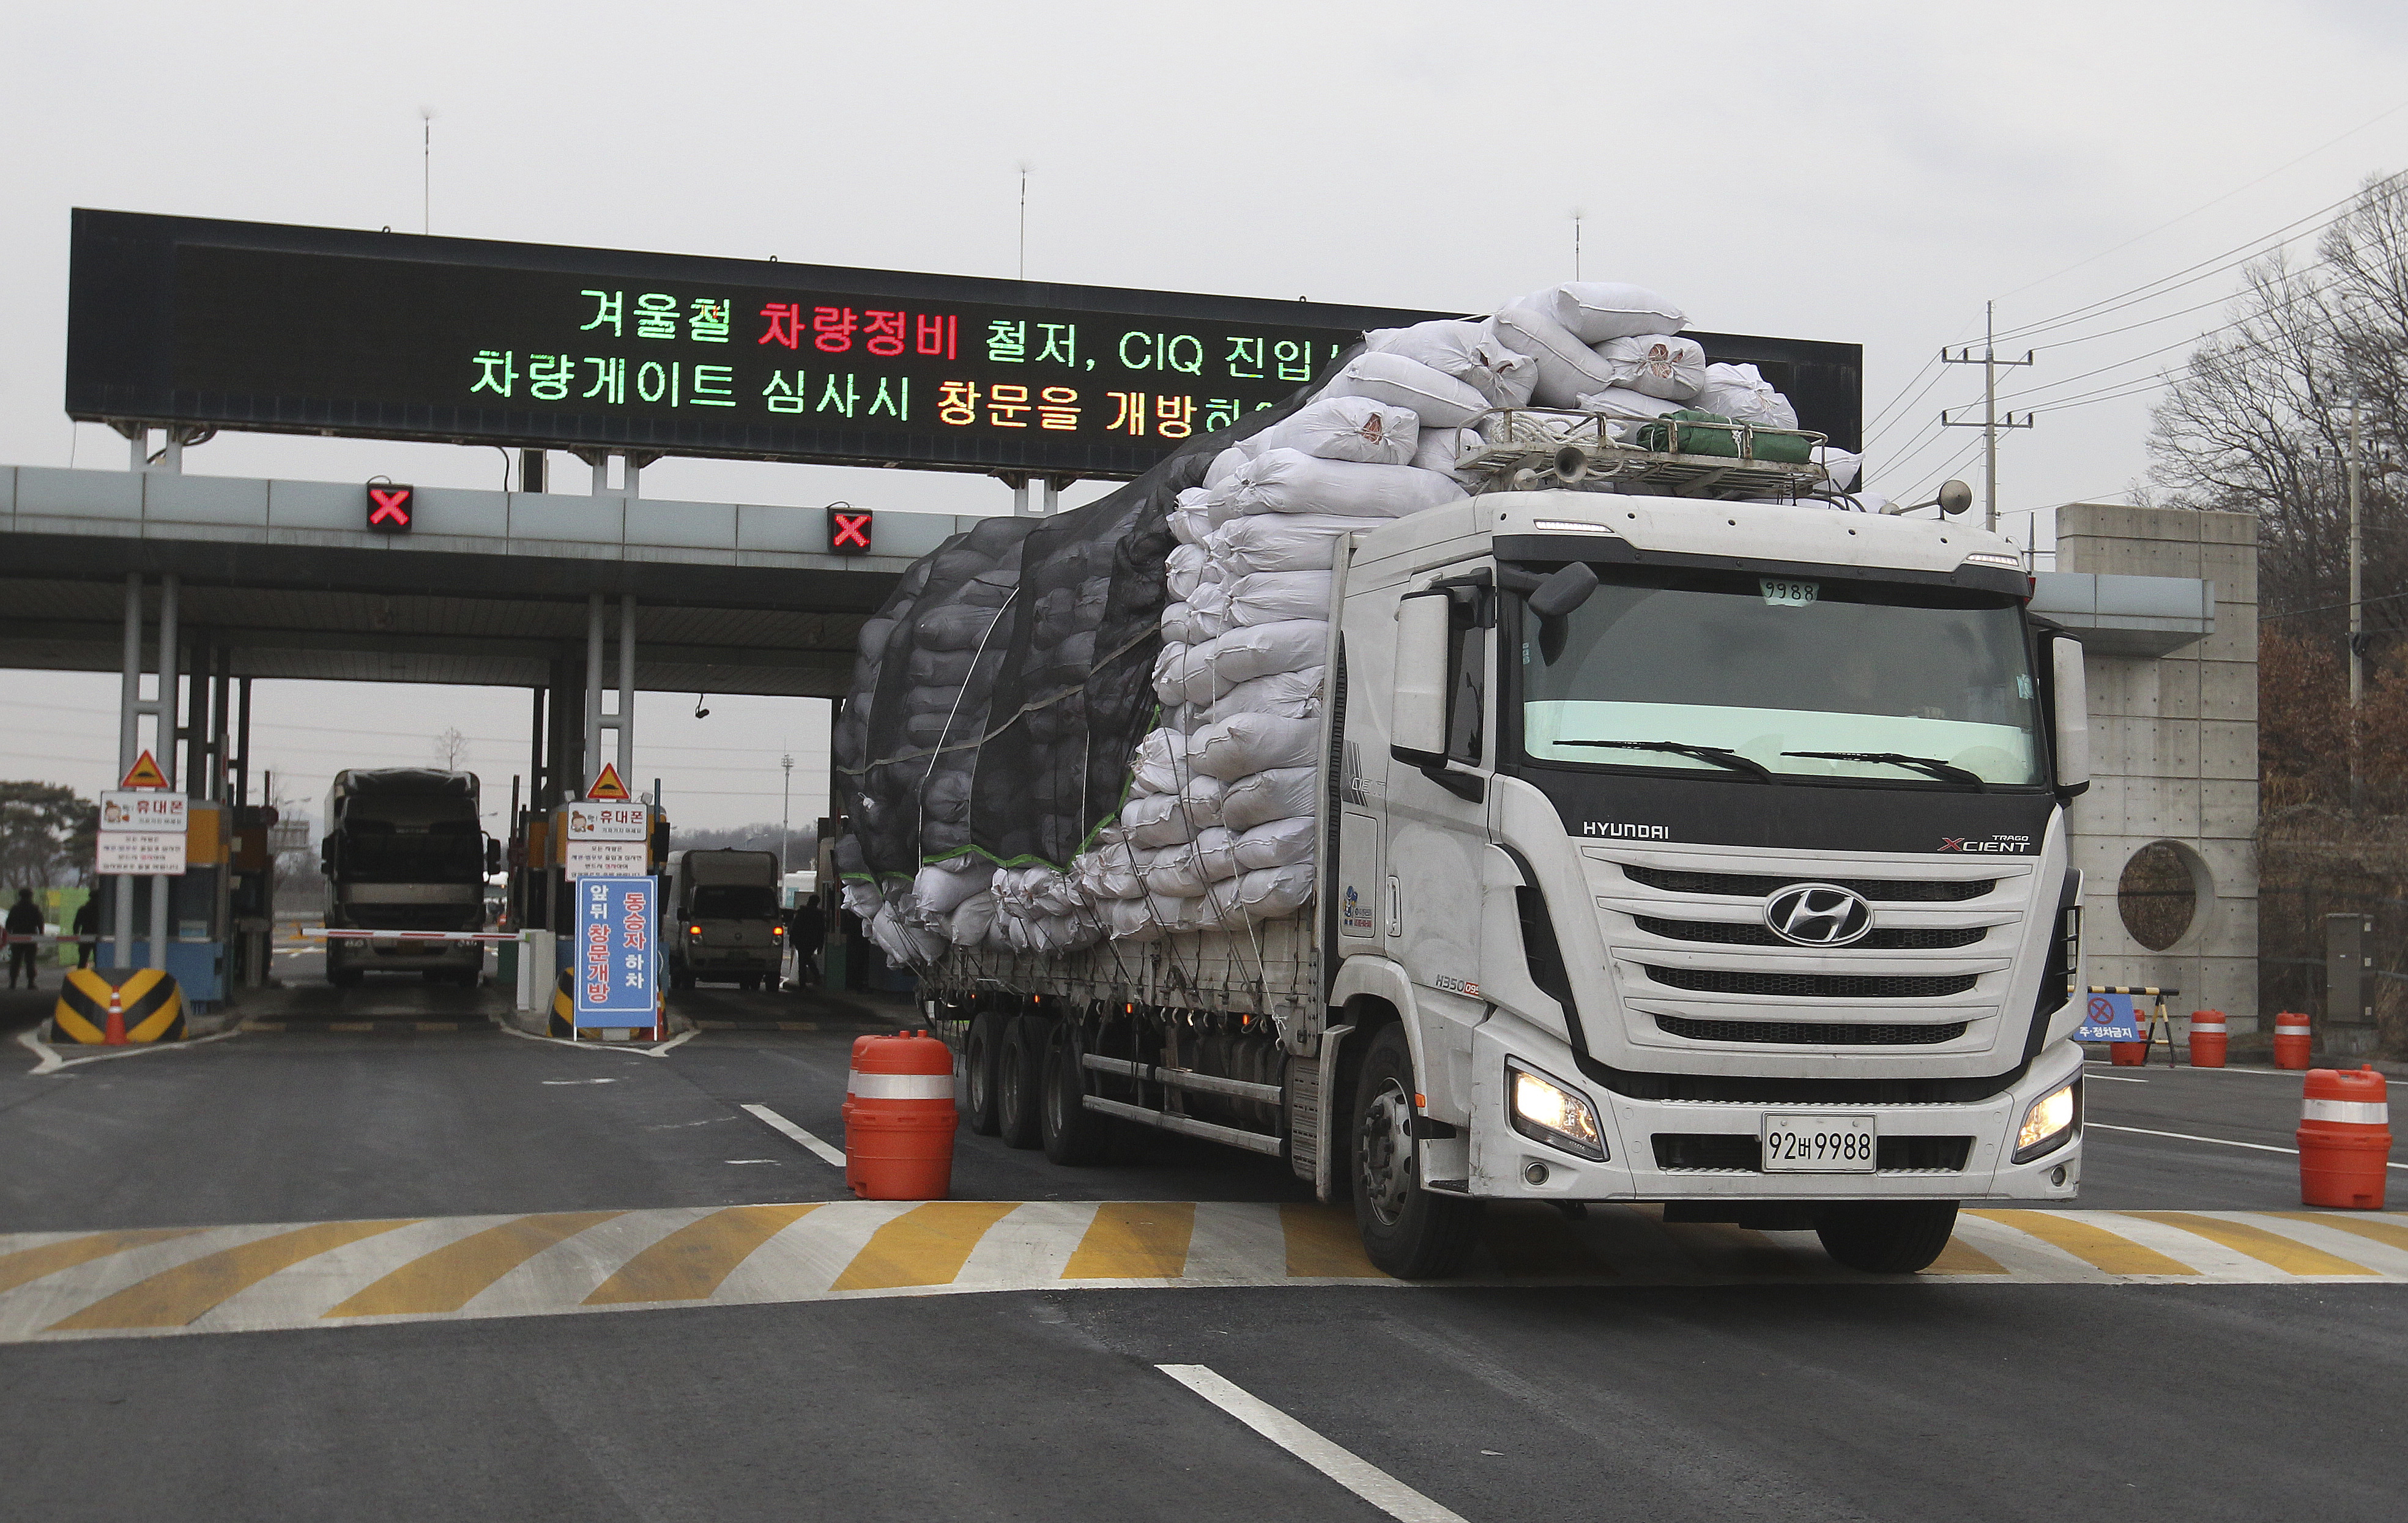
{"x": 26, "y": 1264}
{"x": 451, "y": 1276}
{"x": 174, "y": 1297}
{"x": 693, "y": 1261}
{"x": 1134, "y": 1242}
{"x": 331, "y": 1274}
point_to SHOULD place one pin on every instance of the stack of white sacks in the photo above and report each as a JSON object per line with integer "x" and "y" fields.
{"x": 1220, "y": 828}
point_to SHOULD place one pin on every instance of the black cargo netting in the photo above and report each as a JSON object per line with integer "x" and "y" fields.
{"x": 1000, "y": 693}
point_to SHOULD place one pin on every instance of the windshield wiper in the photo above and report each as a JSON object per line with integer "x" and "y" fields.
{"x": 1716, "y": 754}
{"x": 1946, "y": 772}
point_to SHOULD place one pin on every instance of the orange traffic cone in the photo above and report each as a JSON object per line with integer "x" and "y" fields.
{"x": 113, "y": 1035}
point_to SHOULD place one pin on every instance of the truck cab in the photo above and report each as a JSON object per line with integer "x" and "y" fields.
{"x": 1704, "y": 853}
{"x": 724, "y": 923}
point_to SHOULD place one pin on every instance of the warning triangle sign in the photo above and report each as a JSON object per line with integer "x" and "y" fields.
{"x": 607, "y": 788}
{"x": 146, "y": 773}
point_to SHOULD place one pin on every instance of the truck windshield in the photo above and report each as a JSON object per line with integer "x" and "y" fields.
{"x": 734, "y": 901}
{"x": 374, "y": 850}
{"x": 1935, "y": 678}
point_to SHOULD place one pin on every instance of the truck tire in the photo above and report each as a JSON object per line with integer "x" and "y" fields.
{"x": 1407, "y": 1231}
{"x": 1019, "y": 1095}
{"x": 982, "y": 1072}
{"x": 1886, "y": 1238}
{"x": 1074, "y": 1135}
{"x": 749, "y": 983}
{"x": 343, "y": 974}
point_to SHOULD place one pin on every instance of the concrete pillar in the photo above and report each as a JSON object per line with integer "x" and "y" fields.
{"x": 170, "y": 658}
{"x": 129, "y": 747}
{"x": 592, "y": 760}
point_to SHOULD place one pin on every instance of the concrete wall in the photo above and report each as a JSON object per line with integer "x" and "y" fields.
{"x": 2173, "y": 756}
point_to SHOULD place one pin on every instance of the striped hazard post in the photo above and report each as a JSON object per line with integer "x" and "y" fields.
{"x": 2344, "y": 1139}
{"x": 111, "y": 1008}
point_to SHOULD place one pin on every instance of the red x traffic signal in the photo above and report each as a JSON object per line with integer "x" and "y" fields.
{"x": 391, "y": 508}
{"x": 849, "y": 531}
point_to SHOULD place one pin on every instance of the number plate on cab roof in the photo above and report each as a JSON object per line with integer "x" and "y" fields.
{"x": 1818, "y": 1144}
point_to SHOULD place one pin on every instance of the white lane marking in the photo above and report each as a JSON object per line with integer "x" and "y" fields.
{"x": 51, "y": 1062}
{"x": 777, "y": 1123}
{"x": 580, "y": 1081}
{"x": 2221, "y": 1142}
{"x": 1348, "y": 1469}
{"x": 2115, "y": 1078}
{"x": 2228, "y": 1068}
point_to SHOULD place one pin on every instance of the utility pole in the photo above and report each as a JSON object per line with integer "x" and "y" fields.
{"x": 2356, "y": 608}
{"x": 1991, "y": 422}
{"x": 785, "y": 815}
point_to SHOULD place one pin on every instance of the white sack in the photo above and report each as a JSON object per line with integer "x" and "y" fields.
{"x": 1295, "y": 695}
{"x": 1440, "y": 448}
{"x": 1267, "y": 597}
{"x": 1184, "y": 568}
{"x": 1177, "y": 625}
{"x": 1247, "y": 742}
{"x": 1176, "y": 873}
{"x": 1199, "y": 798}
{"x": 1282, "y": 843}
{"x": 1161, "y": 761}
{"x": 1267, "y": 893}
{"x": 1217, "y": 853}
{"x": 1567, "y": 367}
{"x": 1356, "y": 428}
{"x": 1622, "y": 402}
{"x": 1154, "y": 820}
{"x": 1170, "y": 667}
{"x": 970, "y": 922}
{"x": 1189, "y": 521}
{"x": 1286, "y": 481}
{"x": 1225, "y": 465}
{"x": 1182, "y": 913}
{"x": 1280, "y": 793}
{"x": 1260, "y": 649}
{"x": 1659, "y": 364}
{"x": 1594, "y": 311}
{"x": 1842, "y": 465}
{"x": 1130, "y": 919}
{"x": 1280, "y": 542}
{"x": 1208, "y": 611}
{"x": 1437, "y": 399}
{"x": 1468, "y": 350}
{"x": 939, "y": 891}
{"x": 1741, "y": 393}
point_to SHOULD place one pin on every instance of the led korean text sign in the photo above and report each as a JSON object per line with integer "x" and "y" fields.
{"x": 285, "y": 329}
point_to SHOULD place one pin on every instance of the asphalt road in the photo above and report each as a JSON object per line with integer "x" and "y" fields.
{"x": 1841, "y": 1399}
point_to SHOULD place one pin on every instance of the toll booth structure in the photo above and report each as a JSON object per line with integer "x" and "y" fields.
{"x": 193, "y": 588}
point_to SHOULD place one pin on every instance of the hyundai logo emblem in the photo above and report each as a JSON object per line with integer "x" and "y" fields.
{"x": 1819, "y": 915}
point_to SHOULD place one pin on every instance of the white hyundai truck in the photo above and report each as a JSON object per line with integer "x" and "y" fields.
{"x": 1709, "y": 853}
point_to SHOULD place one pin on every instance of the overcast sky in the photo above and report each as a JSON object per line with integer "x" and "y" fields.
{"x": 1869, "y": 173}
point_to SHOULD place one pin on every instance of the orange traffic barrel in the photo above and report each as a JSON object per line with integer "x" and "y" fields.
{"x": 2209, "y": 1036}
{"x": 2344, "y": 1139}
{"x": 2292, "y": 1040}
{"x": 899, "y": 1118}
{"x": 2129, "y": 1054}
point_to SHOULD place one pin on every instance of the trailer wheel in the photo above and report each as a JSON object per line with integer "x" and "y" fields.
{"x": 1407, "y": 1231}
{"x": 1074, "y": 1135}
{"x": 1886, "y": 1238}
{"x": 983, "y": 1070}
{"x": 1020, "y": 1095}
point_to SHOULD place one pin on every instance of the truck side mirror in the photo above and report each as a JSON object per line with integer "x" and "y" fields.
{"x": 1554, "y": 600}
{"x": 326, "y": 857}
{"x": 493, "y": 856}
{"x": 2071, "y": 701}
{"x": 1417, "y": 721}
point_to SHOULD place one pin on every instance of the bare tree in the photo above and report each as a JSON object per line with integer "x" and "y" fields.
{"x": 451, "y": 749}
{"x": 46, "y": 835}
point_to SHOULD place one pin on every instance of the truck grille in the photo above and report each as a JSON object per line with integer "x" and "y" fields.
{"x": 1814, "y": 985}
{"x": 1737, "y": 933}
{"x": 1708, "y": 1151}
{"x": 1904, "y": 890}
{"x": 1811, "y": 1032}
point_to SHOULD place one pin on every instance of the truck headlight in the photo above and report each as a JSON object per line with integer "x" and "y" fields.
{"x": 2051, "y": 1122}
{"x": 1552, "y": 1113}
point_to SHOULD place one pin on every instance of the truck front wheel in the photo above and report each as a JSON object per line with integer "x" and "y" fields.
{"x": 1020, "y": 1094}
{"x": 1886, "y": 1238}
{"x": 1407, "y": 1231}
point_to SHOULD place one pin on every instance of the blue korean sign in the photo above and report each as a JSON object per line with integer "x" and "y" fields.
{"x": 614, "y": 977}
{"x": 2110, "y": 1017}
